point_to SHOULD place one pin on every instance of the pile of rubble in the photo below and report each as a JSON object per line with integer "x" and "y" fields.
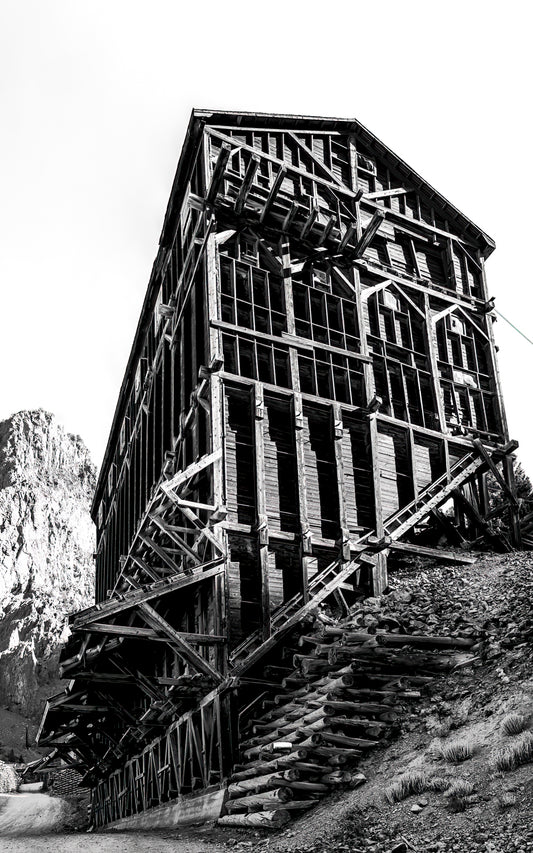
{"x": 351, "y": 684}
{"x": 9, "y": 779}
{"x": 356, "y": 681}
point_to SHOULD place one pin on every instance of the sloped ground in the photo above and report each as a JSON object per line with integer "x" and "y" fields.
{"x": 491, "y": 602}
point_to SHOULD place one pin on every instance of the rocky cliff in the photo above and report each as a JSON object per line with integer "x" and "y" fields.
{"x": 46, "y": 543}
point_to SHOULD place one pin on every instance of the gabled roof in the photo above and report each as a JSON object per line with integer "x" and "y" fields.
{"x": 342, "y": 125}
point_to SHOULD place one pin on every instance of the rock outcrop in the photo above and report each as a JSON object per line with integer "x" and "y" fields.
{"x": 46, "y": 543}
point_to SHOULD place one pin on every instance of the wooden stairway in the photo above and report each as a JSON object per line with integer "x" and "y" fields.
{"x": 322, "y": 585}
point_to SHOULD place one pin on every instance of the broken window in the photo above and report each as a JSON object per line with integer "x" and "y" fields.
{"x": 251, "y": 297}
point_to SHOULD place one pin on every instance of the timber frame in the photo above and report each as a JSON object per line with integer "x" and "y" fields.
{"x": 313, "y": 379}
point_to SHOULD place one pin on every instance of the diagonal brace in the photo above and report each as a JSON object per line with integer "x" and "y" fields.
{"x": 153, "y": 618}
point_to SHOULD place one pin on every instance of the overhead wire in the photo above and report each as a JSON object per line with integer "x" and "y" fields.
{"x": 513, "y": 326}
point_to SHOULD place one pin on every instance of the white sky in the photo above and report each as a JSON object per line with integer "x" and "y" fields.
{"x": 95, "y": 98}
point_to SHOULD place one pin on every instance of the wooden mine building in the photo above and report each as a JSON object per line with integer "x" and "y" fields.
{"x": 312, "y": 379}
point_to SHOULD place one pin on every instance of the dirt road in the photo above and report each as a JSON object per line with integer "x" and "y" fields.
{"x": 32, "y": 823}
{"x": 30, "y": 813}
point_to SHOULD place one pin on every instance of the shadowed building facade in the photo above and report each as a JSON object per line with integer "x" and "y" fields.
{"x": 313, "y": 378}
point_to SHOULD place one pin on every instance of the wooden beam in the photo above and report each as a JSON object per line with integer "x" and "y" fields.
{"x": 290, "y": 217}
{"x": 247, "y": 182}
{"x": 369, "y": 233}
{"x": 514, "y": 515}
{"x": 162, "y": 553}
{"x": 73, "y": 707}
{"x": 348, "y": 235}
{"x": 218, "y": 172}
{"x": 191, "y": 471}
{"x": 452, "y": 532}
{"x": 437, "y": 553}
{"x": 133, "y": 598}
{"x": 379, "y": 572}
{"x": 153, "y": 618}
{"x": 104, "y": 677}
{"x": 129, "y": 631}
{"x": 471, "y": 511}
{"x": 386, "y": 193}
{"x": 309, "y": 222}
{"x": 275, "y": 188}
{"x": 338, "y": 432}
{"x": 499, "y": 478}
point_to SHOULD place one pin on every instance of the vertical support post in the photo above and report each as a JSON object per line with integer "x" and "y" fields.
{"x": 484, "y": 503}
{"x": 228, "y": 732}
{"x": 258, "y": 404}
{"x": 352, "y": 149}
{"x": 435, "y": 380}
{"x": 298, "y": 420}
{"x": 216, "y": 422}
{"x": 379, "y": 574}
{"x": 364, "y": 329}
{"x": 514, "y": 517}
{"x": 338, "y": 430}
{"x": 495, "y": 373}
{"x": 412, "y": 461}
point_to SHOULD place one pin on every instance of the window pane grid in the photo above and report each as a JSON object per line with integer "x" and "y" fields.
{"x": 325, "y": 318}
{"x": 251, "y": 297}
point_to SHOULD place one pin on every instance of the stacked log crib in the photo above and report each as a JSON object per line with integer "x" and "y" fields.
{"x": 348, "y": 694}
{"x": 312, "y": 387}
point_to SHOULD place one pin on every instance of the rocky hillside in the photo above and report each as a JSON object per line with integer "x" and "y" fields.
{"x": 46, "y": 545}
{"x": 457, "y": 773}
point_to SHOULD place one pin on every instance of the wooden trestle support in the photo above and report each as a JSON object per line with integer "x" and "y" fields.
{"x": 312, "y": 385}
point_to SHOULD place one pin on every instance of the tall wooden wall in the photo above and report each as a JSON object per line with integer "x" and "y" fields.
{"x": 314, "y": 354}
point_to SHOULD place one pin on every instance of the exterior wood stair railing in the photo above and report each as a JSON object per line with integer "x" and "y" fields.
{"x": 291, "y": 612}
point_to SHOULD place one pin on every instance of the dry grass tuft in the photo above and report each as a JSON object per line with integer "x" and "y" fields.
{"x": 460, "y": 788}
{"x": 506, "y": 800}
{"x": 456, "y": 751}
{"x": 514, "y": 754}
{"x": 438, "y": 784}
{"x": 513, "y": 724}
{"x": 460, "y": 794}
{"x": 411, "y": 782}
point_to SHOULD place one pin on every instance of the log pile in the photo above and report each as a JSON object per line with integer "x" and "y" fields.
{"x": 350, "y": 685}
